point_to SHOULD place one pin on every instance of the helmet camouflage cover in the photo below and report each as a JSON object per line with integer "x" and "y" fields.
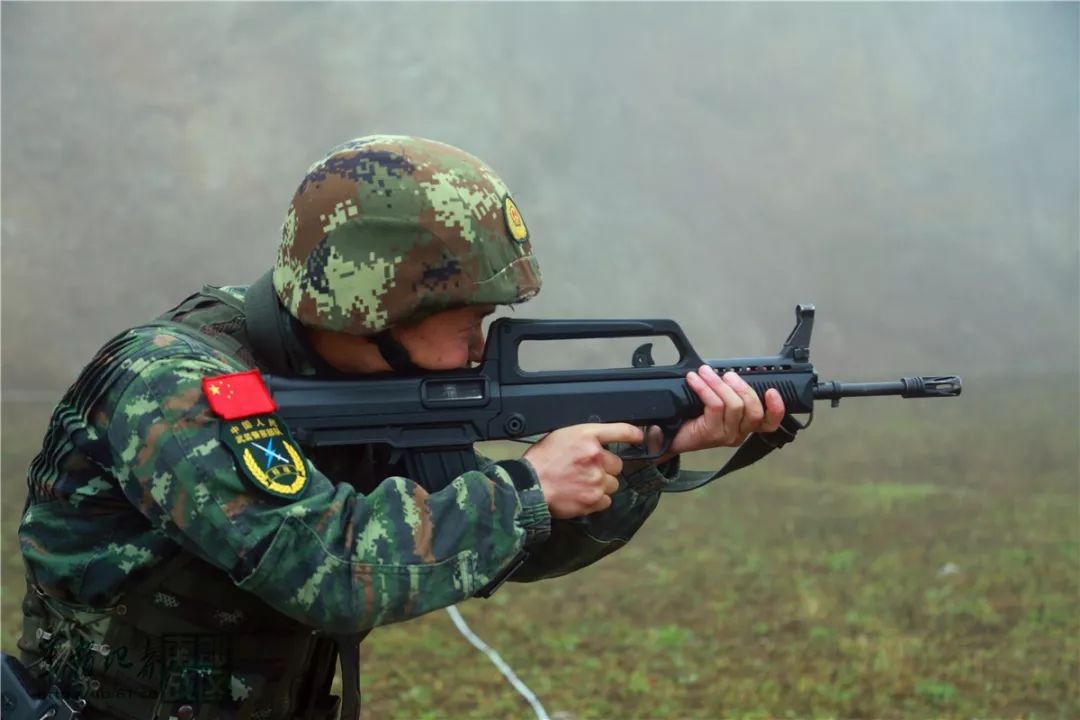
{"x": 389, "y": 229}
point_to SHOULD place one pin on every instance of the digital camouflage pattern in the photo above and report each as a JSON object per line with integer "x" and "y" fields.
{"x": 133, "y": 473}
{"x": 134, "y": 477}
{"x": 388, "y": 229}
{"x": 144, "y": 498}
{"x": 137, "y": 464}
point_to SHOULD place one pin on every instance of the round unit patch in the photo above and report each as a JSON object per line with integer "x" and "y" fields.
{"x": 514, "y": 223}
{"x": 266, "y": 454}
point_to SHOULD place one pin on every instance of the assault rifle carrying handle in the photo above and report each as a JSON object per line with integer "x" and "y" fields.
{"x": 435, "y": 419}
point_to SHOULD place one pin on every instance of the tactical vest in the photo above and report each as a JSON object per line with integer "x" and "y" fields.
{"x": 185, "y": 642}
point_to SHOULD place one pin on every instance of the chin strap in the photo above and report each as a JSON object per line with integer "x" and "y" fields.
{"x": 395, "y": 354}
{"x": 262, "y": 314}
{"x": 276, "y": 337}
{"x": 271, "y": 331}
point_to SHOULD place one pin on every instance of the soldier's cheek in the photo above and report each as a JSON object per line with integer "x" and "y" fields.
{"x": 456, "y": 358}
{"x": 445, "y": 356}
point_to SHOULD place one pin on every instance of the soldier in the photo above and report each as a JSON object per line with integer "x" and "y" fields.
{"x": 170, "y": 510}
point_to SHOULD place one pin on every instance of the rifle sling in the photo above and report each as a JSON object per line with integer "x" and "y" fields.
{"x": 349, "y": 656}
{"x": 757, "y": 446}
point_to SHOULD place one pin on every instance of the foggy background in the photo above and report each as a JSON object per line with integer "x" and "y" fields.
{"x": 911, "y": 169}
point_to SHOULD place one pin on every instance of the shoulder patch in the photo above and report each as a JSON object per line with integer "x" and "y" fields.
{"x": 238, "y": 395}
{"x": 514, "y": 223}
{"x": 266, "y": 454}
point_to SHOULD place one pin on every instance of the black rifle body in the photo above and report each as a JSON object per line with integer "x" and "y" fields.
{"x": 434, "y": 419}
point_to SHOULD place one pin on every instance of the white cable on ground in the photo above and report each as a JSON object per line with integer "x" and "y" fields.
{"x": 463, "y": 628}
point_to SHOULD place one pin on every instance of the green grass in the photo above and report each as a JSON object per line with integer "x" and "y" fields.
{"x": 902, "y": 559}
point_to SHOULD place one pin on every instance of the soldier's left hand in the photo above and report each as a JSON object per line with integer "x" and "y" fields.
{"x": 732, "y": 411}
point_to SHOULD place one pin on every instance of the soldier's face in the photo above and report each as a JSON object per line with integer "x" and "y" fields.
{"x": 448, "y": 340}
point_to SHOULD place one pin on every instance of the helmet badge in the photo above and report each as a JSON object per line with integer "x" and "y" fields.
{"x": 514, "y": 223}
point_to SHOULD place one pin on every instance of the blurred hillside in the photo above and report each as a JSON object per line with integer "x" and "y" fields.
{"x": 911, "y": 169}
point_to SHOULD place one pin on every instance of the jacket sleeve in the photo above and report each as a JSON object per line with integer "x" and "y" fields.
{"x": 329, "y": 557}
{"x": 574, "y": 544}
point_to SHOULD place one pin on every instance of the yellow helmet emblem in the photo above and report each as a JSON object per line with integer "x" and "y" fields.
{"x": 514, "y": 223}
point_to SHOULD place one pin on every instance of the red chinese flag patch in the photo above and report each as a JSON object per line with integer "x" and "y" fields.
{"x": 238, "y": 395}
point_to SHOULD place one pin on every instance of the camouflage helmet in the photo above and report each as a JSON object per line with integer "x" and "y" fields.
{"x": 387, "y": 230}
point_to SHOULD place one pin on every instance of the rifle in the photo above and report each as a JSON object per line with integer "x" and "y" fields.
{"x": 22, "y": 697}
{"x": 433, "y": 420}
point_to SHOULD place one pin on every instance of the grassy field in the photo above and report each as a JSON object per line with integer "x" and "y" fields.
{"x": 903, "y": 559}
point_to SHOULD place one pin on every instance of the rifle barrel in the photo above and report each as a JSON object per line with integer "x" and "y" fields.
{"x": 908, "y": 387}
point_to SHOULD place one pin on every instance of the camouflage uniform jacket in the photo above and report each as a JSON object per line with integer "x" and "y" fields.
{"x": 134, "y": 472}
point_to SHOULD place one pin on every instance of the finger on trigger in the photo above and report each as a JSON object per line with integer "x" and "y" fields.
{"x": 619, "y": 432}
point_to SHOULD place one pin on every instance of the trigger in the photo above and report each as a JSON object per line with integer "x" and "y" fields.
{"x": 642, "y": 357}
{"x": 641, "y": 449}
{"x": 669, "y": 432}
{"x": 643, "y": 452}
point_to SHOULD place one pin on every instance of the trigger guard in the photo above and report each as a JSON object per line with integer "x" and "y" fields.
{"x": 641, "y": 452}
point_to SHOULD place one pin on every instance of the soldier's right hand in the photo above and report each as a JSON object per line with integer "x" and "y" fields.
{"x": 576, "y": 473}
